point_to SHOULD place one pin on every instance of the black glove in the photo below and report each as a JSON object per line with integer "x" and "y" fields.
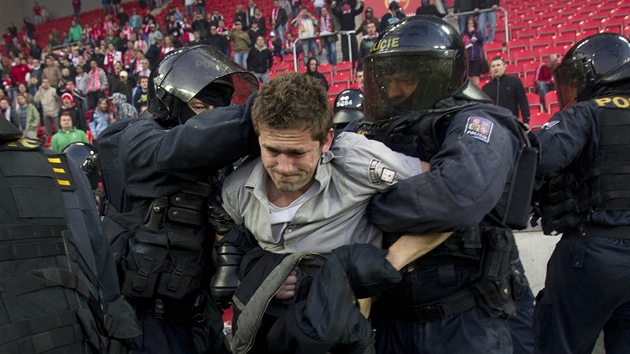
{"x": 369, "y": 273}
{"x": 218, "y": 217}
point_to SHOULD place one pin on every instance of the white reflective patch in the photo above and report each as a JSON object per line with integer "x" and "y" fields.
{"x": 388, "y": 175}
{"x": 372, "y": 171}
{"x": 549, "y": 125}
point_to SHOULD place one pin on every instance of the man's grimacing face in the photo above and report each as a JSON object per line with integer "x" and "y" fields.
{"x": 291, "y": 157}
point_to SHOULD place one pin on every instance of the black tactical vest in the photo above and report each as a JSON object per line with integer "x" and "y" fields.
{"x": 597, "y": 181}
{"x": 49, "y": 300}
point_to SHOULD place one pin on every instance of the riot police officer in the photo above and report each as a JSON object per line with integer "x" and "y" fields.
{"x": 584, "y": 196}
{"x": 59, "y": 285}
{"x": 419, "y": 101}
{"x": 159, "y": 171}
{"x": 348, "y": 107}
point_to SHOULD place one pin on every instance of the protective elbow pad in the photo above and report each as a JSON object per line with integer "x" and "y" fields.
{"x": 225, "y": 279}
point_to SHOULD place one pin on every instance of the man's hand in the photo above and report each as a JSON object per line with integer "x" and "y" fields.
{"x": 287, "y": 289}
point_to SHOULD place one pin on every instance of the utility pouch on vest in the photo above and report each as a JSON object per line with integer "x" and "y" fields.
{"x": 144, "y": 262}
{"x": 166, "y": 255}
{"x": 182, "y": 270}
{"x": 493, "y": 288}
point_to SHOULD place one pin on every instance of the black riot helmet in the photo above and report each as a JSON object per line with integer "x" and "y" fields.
{"x": 87, "y": 157}
{"x": 348, "y": 107}
{"x": 591, "y": 65}
{"x": 200, "y": 71}
{"x": 414, "y": 63}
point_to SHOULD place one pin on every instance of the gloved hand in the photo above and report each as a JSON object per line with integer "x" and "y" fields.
{"x": 368, "y": 271}
{"x": 218, "y": 217}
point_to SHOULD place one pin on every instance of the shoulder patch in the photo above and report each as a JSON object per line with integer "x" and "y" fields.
{"x": 373, "y": 171}
{"x": 62, "y": 172}
{"x": 549, "y": 125}
{"x": 479, "y": 128}
{"x": 388, "y": 175}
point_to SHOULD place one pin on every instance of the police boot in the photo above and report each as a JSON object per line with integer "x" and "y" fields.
{"x": 225, "y": 279}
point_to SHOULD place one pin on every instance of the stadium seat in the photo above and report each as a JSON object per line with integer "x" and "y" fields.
{"x": 538, "y": 120}
{"x": 344, "y": 66}
{"x": 523, "y": 56}
{"x": 551, "y": 100}
{"x": 568, "y": 28}
{"x": 327, "y": 70}
{"x": 493, "y": 49}
{"x": 563, "y": 39}
{"x": 343, "y": 77}
{"x": 615, "y": 25}
{"x": 534, "y": 103}
{"x": 334, "y": 90}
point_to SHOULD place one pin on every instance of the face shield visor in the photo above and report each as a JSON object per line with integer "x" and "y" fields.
{"x": 403, "y": 82}
{"x": 573, "y": 78}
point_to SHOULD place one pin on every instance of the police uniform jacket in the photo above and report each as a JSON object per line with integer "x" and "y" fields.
{"x": 466, "y": 180}
{"x": 572, "y": 135}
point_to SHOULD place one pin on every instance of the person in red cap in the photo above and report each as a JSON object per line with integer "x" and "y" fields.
{"x": 69, "y": 106}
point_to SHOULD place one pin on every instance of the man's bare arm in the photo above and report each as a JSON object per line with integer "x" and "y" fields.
{"x": 413, "y": 246}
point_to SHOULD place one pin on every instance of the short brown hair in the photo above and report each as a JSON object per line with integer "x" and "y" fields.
{"x": 293, "y": 100}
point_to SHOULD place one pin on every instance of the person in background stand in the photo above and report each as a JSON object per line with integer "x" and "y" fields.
{"x": 473, "y": 41}
{"x": 278, "y": 19}
{"x": 368, "y": 17}
{"x": 76, "y": 6}
{"x": 507, "y": 91}
{"x": 358, "y": 80}
{"x": 306, "y": 25}
{"x": 487, "y": 19}
{"x": 426, "y": 8}
{"x": 328, "y": 28}
{"x": 260, "y": 60}
{"x": 311, "y": 70}
{"x": 67, "y": 134}
{"x": 346, "y": 11}
{"x": 463, "y": 6}
{"x": 392, "y": 16}
{"x": 29, "y": 117}
{"x": 37, "y": 14}
{"x": 240, "y": 43}
{"x": 367, "y": 41}
{"x": 217, "y": 40}
{"x": 544, "y": 77}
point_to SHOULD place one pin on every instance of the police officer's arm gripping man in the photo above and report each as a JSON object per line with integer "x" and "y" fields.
{"x": 466, "y": 180}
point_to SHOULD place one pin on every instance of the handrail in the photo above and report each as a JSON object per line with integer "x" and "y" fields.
{"x": 505, "y": 18}
{"x": 295, "y": 58}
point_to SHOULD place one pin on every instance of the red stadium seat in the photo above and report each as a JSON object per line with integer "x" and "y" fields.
{"x": 564, "y": 39}
{"x": 538, "y": 120}
{"x": 615, "y": 25}
{"x": 534, "y": 103}
{"x": 551, "y": 100}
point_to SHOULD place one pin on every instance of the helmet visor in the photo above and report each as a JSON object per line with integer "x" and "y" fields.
{"x": 571, "y": 78}
{"x": 399, "y": 84}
